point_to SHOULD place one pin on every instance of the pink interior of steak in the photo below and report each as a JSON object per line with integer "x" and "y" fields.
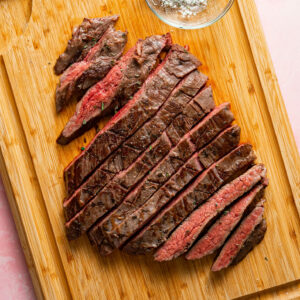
{"x": 76, "y": 69}
{"x": 83, "y": 38}
{"x": 190, "y": 229}
{"x": 73, "y": 72}
{"x": 128, "y": 106}
{"x": 96, "y": 98}
{"x": 253, "y": 240}
{"x": 236, "y": 241}
{"x": 186, "y": 201}
{"x": 217, "y": 234}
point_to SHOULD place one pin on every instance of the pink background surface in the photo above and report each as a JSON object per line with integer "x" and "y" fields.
{"x": 281, "y": 23}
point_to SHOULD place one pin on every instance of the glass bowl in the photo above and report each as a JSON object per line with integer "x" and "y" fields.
{"x": 210, "y": 14}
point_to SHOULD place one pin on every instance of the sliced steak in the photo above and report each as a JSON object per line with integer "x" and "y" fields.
{"x": 83, "y": 39}
{"x": 83, "y": 74}
{"x": 128, "y": 152}
{"x": 121, "y": 233}
{"x": 210, "y": 126}
{"x": 185, "y": 234}
{"x": 119, "y": 85}
{"x": 168, "y": 115}
{"x": 139, "y": 217}
{"x": 117, "y": 189}
{"x": 218, "y": 233}
{"x": 157, "y": 232}
{"x": 220, "y": 118}
{"x": 237, "y": 241}
{"x": 177, "y": 64}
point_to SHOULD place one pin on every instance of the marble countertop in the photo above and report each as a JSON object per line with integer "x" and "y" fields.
{"x": 281, "y": 23}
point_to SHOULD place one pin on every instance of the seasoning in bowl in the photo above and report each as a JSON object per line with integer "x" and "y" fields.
{"x": 189, "y": 14}
{"x": 186, "y": 8}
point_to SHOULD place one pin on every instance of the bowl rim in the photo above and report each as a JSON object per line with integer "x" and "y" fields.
{"x": 203, "y": 25}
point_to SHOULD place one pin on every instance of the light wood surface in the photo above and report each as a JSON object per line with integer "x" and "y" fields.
{"x": 14, "y": 15}
{"x": 229, "y": 57}
{"x": 289, "y": 291}
{"x": 27, "y": 203}
{"x": 275, "y": 103}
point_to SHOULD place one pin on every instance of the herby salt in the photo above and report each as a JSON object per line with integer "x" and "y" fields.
{"x": 186, "y": 7}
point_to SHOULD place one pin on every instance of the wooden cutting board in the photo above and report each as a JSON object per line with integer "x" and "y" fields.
{"x": 235, "y": 57}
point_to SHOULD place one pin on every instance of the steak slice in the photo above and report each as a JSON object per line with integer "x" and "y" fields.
{"x": 138, "y": 217}
{"x": 83, "y": 74}
{"x": 185, "y": 234}
{"x": 224, "y": 170}
{"x": 254, "y": 239}
{"x": 83, "y": 39}
{"x": 117, "y": 189}
{"x": 218, "y": 233}
{"x": 176, "y": 65}
{"x": 215, "y": 122}
{"x": 128, "y": 152}
{"x": 119, "y": 85}
{"x": 238, "y": 240}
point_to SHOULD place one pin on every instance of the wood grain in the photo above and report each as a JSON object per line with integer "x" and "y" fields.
{"x": 230, "y": 62}
{"x": 273, "y": 95}
{"x": 14, "y": 15}
{"x": 27, "y": 203}
{"x": 289, "y": 291}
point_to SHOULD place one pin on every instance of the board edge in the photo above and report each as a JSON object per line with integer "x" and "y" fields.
{"x": 268, "y": 79}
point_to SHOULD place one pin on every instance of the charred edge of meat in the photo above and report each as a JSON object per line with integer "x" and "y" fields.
{"x": 188, "y": 231}
{"x": 127, "y": 120}
{"x": 139, "y": 244}
{"x": 140, "y": 141}
{"x": 83, "y": 38}
{"x": 190, "y": 148}
{"x": 217, "y": 231}
{"x": 234, "y": 244}
{"x": 73, "y": 130}
{"x": 82, "y": 75}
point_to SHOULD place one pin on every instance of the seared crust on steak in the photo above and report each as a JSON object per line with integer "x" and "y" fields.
{"x": 129, "y": 151}
{"x": 237, "y": 242}
{"x": 83, "y": 38}
{"x": 81, "y": 75}
{"x": 159, "y": 85}
{"x": 224, "y": 170}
